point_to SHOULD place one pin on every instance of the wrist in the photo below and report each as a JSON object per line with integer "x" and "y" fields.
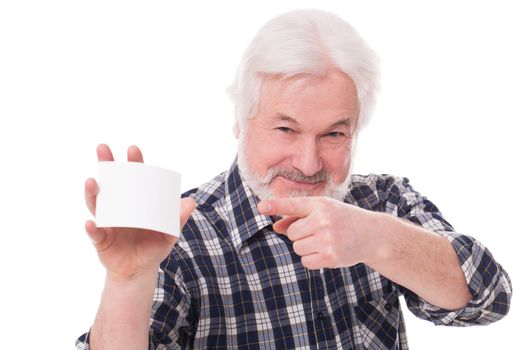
{"x": 122, "y": 321}
{"x": 139, "y": 278}
{"x": 380, "y": 244}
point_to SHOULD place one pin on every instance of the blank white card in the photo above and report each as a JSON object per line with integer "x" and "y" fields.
{"x": 137, "y": 195}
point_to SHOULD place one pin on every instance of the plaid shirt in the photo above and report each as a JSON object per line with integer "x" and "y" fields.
{"x": 231, "y": 282}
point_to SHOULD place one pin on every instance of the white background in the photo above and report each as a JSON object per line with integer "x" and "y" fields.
{"x": 75, "y": 74}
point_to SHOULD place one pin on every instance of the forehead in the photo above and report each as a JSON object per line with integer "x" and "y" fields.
{"x": 330, "y": 96}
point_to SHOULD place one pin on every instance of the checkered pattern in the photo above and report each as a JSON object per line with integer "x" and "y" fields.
{"x": 233, "y": 283}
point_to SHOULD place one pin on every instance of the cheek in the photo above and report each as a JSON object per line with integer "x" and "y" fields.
{"x": 272, "y": 155}
{"x": 337, "y": 163}
{"x": 263, "y": 152}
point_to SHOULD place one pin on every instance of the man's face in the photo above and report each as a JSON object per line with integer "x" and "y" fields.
{"x": 299, "y": 142}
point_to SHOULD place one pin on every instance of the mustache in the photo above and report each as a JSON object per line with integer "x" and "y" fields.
{"x": 296, "y": 175}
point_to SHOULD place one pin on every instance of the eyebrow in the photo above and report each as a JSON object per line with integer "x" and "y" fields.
{"x": 344, "y": 122}
{"x": 285, "y": 118}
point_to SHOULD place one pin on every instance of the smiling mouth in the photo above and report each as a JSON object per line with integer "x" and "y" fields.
{"x": 300, "y": 184}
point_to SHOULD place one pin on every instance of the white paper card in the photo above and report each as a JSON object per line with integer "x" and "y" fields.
{"x": 137, "y": 195}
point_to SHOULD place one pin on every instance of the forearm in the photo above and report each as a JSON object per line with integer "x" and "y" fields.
{"x": 122, "y": 321}
{"x": 419, "y": 260}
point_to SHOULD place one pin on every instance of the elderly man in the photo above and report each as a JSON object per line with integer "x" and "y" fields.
{"x": 288, "y": 249}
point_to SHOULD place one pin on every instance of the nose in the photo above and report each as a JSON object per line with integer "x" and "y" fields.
{"x": 307, "y": 158}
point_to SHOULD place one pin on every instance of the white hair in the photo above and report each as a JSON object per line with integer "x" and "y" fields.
{"x": 305, "y": 43}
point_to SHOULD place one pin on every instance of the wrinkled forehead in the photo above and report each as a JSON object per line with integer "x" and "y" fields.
{"x": 332, "y": 91}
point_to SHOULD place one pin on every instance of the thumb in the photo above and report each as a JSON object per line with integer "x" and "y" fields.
{"x": 187, "y": 205}
{"x": 282, "y": 225}
{"x": 97, "y": 235}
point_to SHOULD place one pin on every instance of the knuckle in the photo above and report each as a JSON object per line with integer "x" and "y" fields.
{"x": 324, "y": 222}
{"x": 330, "y": 237}
{"x": 307, "y": 263}
{"x": 327, "y": 238}
{"x": 304, "y": 262}
{"x": 329, "y": 256}
{"x": 297, "y": 247}
{"x": 291, "y": 232}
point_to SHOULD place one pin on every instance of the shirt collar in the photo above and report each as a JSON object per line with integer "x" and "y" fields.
{"x": 241, "y": 207}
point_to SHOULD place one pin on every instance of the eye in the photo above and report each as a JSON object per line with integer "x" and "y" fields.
{"x": 284, "y": 129}
{"x": 335, "y": 134}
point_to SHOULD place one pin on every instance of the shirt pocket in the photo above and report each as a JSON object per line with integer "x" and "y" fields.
{"x": 379, "y": 321}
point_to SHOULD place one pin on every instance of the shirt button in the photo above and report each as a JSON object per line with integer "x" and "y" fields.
{"x": 320, "y": 315}
{"x": 388, "y": 307}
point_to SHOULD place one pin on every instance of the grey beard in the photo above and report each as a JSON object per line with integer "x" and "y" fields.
{"x": 260, "y": 185}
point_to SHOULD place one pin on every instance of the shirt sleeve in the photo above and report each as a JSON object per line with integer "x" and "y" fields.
{"x": 172, "y": 320}
{"x": 170, "y": 323}
{"x": 487, "y": 281}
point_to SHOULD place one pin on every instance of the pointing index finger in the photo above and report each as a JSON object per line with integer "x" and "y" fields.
{"x": 299, "y": 207}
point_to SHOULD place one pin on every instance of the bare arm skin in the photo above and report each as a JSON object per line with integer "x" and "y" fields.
{"x": 419, "y": 260}
{"x": 132, "y": 258}
{"x": 330, "y": 234}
